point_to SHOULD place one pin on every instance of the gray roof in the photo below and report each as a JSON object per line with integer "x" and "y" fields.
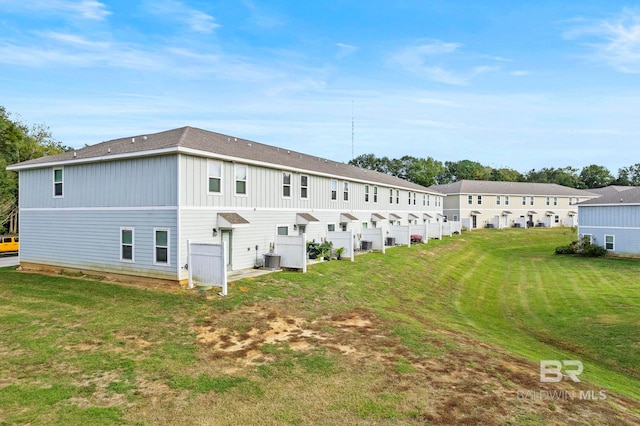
{"x": 629, "y": 196}
{"x": 611, "y": 189}
{"x": 194, "y": 140}
{"x": 483, "y": 187}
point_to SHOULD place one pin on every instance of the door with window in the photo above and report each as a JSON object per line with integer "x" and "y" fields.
{"x": 226, "y": 242}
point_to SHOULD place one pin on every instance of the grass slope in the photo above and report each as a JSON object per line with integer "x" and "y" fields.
{"x": 445, "y": 332}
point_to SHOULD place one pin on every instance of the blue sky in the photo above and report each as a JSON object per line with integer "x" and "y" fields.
{"x": 507, "y": 83}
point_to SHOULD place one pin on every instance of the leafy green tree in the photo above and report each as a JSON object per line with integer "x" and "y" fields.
{"x": 595, "y": 176}
{"x": 505, "y": 174}
{"x": 425, "y": 171}
{"x": 628, "y": 176}
{"x": 566, "y": 176}
{"x": 19, "y": 142}
{"x": 466, "y": 169}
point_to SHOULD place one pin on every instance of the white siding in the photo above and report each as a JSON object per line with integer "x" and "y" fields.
{"x": 621, "y": 221}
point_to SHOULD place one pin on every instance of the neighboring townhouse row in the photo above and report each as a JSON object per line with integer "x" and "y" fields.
{"x": 489, "y": 204}
{"x": 613, "y": 220}
{"x": 129, "y": 206}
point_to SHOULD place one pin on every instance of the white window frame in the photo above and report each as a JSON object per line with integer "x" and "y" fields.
{"x": 390, "y": 195}
{"x": 548, "y": 201}
{"x": 334, "y": 190}
{"x": 613, "y": 242}
{"x": 479, "y": 200}
{"x": 555, "y": 201}
{"x": 282, "y": 227}
{"x": 498, "y": 200}
{"x": 524, "y": 200}
{"x": 61, "y": 182}
{"x": 469, "y": 200}
{"x": 375, "y": 195}
{"x": 238, "y": 167}
{"x": 397, "y": 196}
{"x": 304, "y": 189}
{"x": 156, "y": 246}
{"x": 286, "y": 185}
{"x": 345, "y": 191}
{"x": 531, "y": 201}
{"x": 506, "y": 200}
{"x": 211, "y": 176}
{"x": 366, "y": 193}
{"x": 133, "y": 244}
{"x": 331, "y": 225}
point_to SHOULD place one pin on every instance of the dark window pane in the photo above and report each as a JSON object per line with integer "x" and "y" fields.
{"x": 161, "y": 254}
{"x": 127, "y": 252}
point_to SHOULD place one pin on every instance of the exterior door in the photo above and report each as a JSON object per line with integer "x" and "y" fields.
{"x": 474, "y": 221}
{"x": 226, "y": 242}
{"x": 302, "y": 229}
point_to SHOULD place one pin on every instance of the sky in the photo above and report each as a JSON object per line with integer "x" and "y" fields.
{"x": 518, "y": 84}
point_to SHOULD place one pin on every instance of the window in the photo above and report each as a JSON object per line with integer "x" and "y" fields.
{"x": 375, "y": 194}
{"x": 556, "y": 219}
{"x": 588, "y": 237}
{"x": 409, "y": 197}
{"x": 497, "y": 200}
{"x": 555, "y": 201}
{"x": 283, "y": 230}
{"x": 428, "y": 200}
{"x": 391, "y": 196}
{"x": 531, "y": 201}
{"x": 524, "y": 201}
{"x": 126, "y": 244}
{"x": 215, "y": 176}
{"x": 479, "y": 199}
{"x": 366, "y": 193}
{"x": 57, "y": 183}
{"x": 548, "y": 201}
{"x": 365, "y": 225}
{"x": 345, "y": 191}
{"x": 304, "y": 186}
{"x": 424, "y": 199}
{"x": 334, "y": 189}
{"x": 570, "y": 201}
{"x": 161, "y": 244}
{"x": 397, "y": 196}
{"x": 506, "y": 200}
{"x": 331, "y": 227}
{"x": 241, "y": 180}
{"x": 455, "y": 217}
{"x": 609, "y": 242}
{"x": 414, "y": 198}
{"x": 286, "y": 184}
{"x": 577, "y": 200}
{"x": 469, "y": 199}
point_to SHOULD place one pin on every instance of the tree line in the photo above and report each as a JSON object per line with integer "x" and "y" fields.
{"x": 19, "y": 142}
{"x": 427, "y": 172}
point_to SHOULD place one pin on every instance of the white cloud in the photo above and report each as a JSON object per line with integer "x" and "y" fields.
{"x": 346, "y": 50}
{"x": 615, "y": 41}
{"x": 196, "y": 20}
{"x": 85, "y": 9}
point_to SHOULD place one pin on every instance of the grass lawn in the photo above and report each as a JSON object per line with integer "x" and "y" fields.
{"x": 441, "y": 333}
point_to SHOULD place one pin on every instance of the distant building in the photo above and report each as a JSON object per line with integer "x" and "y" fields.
{"x": 613, "y": 220}
{"x": 489, "y": 204}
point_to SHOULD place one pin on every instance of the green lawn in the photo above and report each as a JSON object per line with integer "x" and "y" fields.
{"x": 444, "y": 332}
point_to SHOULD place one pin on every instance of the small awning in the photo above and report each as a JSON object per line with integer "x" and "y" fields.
{"x": 550, "y": 213}
{"x": 394, "y": 216}
{"x": 427, "y": 216}
{"x": 475, "y": 213}
{"x": 305, "y": 218}
{"x": 573, "y": 213}
{"x": 376, "y": 217}
{"x": 348, "y": 217}
{"x": 532, "y": 212}
{"x": 506, "y": 213}
{"x": 231, "y": 221}
{"x": 412, "y": 216}
{"x": 439, "y": 215}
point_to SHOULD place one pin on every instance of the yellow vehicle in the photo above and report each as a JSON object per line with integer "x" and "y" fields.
{"x": 9, "y": 245}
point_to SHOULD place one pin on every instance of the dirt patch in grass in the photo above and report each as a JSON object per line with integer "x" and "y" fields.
{"x": 470, "y": 383}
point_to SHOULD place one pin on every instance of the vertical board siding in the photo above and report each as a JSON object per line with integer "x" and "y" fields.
{"x": 90, "y": 239}
{"x": 127, "y": 183}
{"x": 622, "y": 221}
